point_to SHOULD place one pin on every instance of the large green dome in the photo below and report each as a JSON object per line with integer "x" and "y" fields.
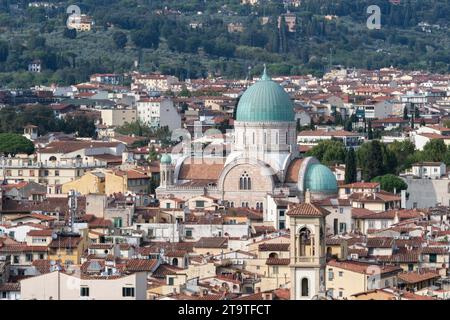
{"x": 320, "y": 178}
{"x": 265, "y": 101}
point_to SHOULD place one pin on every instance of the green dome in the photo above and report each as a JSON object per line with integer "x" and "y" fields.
{"x": 320, "y": 178}
{"x": 166, "y": 159}
{"x": 265, "y": 101}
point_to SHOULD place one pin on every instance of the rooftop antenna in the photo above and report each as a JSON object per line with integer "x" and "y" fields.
{"x": 72, "y": 209}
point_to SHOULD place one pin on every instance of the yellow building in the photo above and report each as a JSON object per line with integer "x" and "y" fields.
{"x": 109, "y": 182}
{"x": 68, "y": 248}
{"x": 131, "y": 181}
{"x": 90, "y": 182}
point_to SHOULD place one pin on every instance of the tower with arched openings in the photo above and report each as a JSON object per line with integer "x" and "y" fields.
{"x": 308, "y": 249}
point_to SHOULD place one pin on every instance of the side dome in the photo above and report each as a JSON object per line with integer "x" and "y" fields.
{"x": 265, "y": 101}
{"x": 320, "y": 179}
{"x": 165, "y": 159}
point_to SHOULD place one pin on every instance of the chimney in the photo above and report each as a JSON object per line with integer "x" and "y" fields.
{"x": 308, "y": 196}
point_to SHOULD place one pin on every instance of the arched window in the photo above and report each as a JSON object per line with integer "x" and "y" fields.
{"x": 257, "y": 206}
{"x": 287, "y": 137}
{"x": 163, "y": 176}
{"x": 52, "y": 158}
{"x": 254, "y": 138}
{"x": 304, "y": 240}
{"x": 175, "y": 262}
{"x": 265, "y": 137}
{"x": 305, "y": 287}
{"x": 245, "y": 182}
{"x": 273, "y": 255}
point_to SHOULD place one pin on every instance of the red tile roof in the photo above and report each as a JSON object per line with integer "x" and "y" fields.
{"x": 416, "y": 277}
{"x": 274, "y": 247}
{"x": 307, "y": 209}
{"x": 364, "y": 268}
{"x": 278, "y": 261}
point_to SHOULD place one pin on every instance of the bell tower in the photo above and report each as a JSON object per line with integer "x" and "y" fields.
{"x": 308, "y": 250}
{"x": 166, "y": 171}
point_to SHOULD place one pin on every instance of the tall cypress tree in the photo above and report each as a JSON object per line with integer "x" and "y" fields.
{"x": 370, "y": 131}
{"x": 405, "y": 113}
{"x": 374, "y": 161}
{"x": 350, "y": 167}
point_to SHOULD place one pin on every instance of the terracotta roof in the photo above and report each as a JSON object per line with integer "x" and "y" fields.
{"x": 416, "y": 277}
{"x": 10, "y": 286}
{"x": 292, "y": 171}
{"x": 307, "y": 209}
{"x": 359, "y": 252}
{"x": 381, "y": 196}
{"x": 43, "y": 266}
{"x": 385, "y": 242}
{"x": 436, "y": 250}
{"x": 361, "y": 212}
{"x": 364, "y": 268}
{"x": 409, "y": 257}
{"x": 137, "y": 265}
{"x": 361, "y": 185}
{"x": 277, "y": 261}
{"x": 198, "y": 169}
{"x": 282, "y": 294}
{"x": 212, "y": 242}
{"x": 259, "y": 230}
{"x": 65, "y": 242}
{"x": 103, "y": 246}
{"x": 71, "y": 146}
{"x": 131, "y": 174}
{"x": 176, "y": 253}
{"x": 165, "y": 269}
{"x": 40, "y": 233}
{"x": 274, "y": 247}
{"x": 22, "y": 247}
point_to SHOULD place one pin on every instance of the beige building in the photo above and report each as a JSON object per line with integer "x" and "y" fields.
{"x": 118, "y": 117}
{"x": 347, "y": 278}
{"x": 58, "y": 285}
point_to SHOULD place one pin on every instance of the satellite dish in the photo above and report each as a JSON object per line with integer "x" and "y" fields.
{"x": 52, "y": 262}
{"x": 54, "y": 235}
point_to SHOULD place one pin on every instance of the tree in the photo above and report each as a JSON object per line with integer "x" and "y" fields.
{"x": 370, "y": 131}
{"x": 435, "y": 151}
{"x": 4, "y": 51}
{"x": 120, "y": 39}
{"x": 12, "y": 144}
{"x": 152, "y": 155}
{"x": 370, "y": 160}
{"x": 329, "y": 152}
{"x": 350, "y": 167}
{"x": 348, "y": 125}
{"x": 405, "y": 113}
{"x": 402, "y": 151}
{"x": 391, "y": 183}
{"x": 147, "y": 38}
{"x": 70, "y": 33}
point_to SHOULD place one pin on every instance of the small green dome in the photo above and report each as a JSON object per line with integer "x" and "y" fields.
{"x": 265, "y": 101}
{"x": 166, "y": 159}
{"x": 320, "y": 178}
